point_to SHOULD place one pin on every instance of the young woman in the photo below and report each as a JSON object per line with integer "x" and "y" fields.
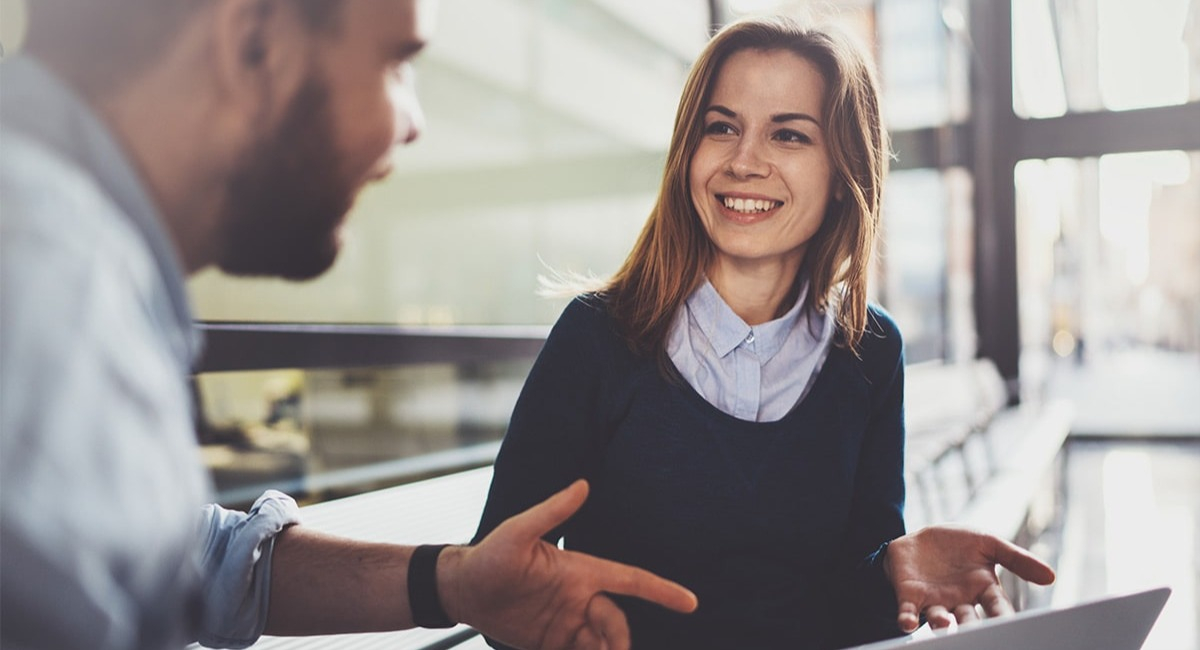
{"x": 735, "y": 402}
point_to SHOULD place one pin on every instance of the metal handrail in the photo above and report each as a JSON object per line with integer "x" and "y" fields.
{"x": 266, "y": 346}
{"x": 437, "y": 463}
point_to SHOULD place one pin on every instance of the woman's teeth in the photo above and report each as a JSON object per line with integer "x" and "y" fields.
{"x": 749, "y": 206}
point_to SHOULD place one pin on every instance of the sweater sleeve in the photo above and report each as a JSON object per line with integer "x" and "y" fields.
{"x": 554, "y": 425}
{"x": 877, "y": 513}
{"x": 553, "y": 429}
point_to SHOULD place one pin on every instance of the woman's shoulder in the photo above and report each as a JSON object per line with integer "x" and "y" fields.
{"x": 587, "y": 333}
{"x": 586, "y": 316}
{"x": 587, "y": 310}
{"x": 881, "y": 341}
{"x": 880, "y": 323}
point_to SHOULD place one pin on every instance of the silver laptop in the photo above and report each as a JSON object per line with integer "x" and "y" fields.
{"x": 1112, "y": 623}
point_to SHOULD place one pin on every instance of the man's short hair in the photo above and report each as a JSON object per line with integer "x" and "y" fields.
{"x": 113, "y": 40}
{"x": 105, "y": 41}
{"x": 320, "y": 14}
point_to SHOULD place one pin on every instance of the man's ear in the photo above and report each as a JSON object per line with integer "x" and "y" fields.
{"x": 257, "y": 53}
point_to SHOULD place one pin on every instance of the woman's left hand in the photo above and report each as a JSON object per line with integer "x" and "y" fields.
{"x": 945, "y": 571}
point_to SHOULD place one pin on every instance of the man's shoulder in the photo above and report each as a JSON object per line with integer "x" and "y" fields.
{"x": 41, "y": 185}
{"x": 54, "y": 206}
{"x": 68, "y": 256}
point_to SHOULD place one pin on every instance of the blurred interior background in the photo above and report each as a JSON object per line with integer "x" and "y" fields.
{"x": 1043, "y": 213}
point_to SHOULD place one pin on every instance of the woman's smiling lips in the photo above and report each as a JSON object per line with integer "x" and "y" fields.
{"x": 747, "y": 208}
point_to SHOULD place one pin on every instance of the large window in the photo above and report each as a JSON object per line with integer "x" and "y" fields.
{"x": 1109, "y": 249}
{"x": 1092, "y": 55}
{"x": 926, "y": 262}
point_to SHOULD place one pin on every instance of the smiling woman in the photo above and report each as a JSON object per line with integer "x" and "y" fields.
{"x": 769, "y": 104}
{"x": 761, "y": 177}
{"x": 734, "y": 402}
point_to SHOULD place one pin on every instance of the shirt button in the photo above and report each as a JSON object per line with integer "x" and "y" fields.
{"x": 750, "y": 339}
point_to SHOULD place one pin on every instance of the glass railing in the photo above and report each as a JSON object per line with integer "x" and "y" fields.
{"x": 323, "y": 411}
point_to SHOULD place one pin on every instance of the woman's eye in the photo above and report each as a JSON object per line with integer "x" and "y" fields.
{"x": 788, "y": 135}
{"x": 719, "y": 128}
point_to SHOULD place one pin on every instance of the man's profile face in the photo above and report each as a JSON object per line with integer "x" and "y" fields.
{"x": 289, "y": 195}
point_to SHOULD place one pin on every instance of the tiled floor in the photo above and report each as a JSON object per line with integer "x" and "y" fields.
{"x": 1132, "y": 521}
{"x": 1132, "y": 513}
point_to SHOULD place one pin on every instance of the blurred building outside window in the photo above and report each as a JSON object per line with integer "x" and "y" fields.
{"x": 1107, "y": 246}
{"x": 1096, "y": 55}
{"x": 1109, "y": 252}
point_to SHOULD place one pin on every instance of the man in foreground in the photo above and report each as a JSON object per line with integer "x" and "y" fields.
{"x": 146, "y": 140}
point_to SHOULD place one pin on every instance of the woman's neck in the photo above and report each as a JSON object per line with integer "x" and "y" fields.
{"x": 757, "y": 295}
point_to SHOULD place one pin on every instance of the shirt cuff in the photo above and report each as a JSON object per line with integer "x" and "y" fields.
{"x": 236, "y": 562}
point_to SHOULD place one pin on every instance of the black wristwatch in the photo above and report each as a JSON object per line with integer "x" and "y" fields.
{"x": 423, "y": 599}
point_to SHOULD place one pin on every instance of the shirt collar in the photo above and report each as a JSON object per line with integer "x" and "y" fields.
{"x": 37, "y": 103}
{"x": 726, "y": 330}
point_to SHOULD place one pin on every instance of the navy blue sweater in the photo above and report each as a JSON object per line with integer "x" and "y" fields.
{"x": 778, "y": 527}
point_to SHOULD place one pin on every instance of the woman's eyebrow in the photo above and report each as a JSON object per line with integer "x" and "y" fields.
{"x": 727, "y": 112}
{"x": 778, "y": 118}
{"x": 789, "y": 117}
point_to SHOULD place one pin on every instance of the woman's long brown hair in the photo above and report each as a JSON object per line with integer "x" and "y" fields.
{"x": 673, "y": 251}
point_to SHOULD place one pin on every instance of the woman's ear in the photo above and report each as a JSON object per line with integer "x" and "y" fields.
{"x": 839, "y": 191}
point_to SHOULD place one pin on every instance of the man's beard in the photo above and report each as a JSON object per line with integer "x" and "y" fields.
{"x": 286, "y": 202}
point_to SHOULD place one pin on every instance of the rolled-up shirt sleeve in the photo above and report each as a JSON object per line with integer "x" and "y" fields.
{"x": 236, "y": 559}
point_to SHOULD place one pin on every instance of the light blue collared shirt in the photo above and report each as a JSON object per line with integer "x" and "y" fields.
{"x": 754, "y": 373}
{"x": 105, "y": 537}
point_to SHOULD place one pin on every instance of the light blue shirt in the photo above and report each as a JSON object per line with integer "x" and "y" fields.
{"x": 754, "y": 373}
{"x": 105, "y": 541}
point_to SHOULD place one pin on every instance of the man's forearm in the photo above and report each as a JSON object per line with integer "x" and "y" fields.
{"x": 321, "y": 584}
{"x": 512, "y": 585}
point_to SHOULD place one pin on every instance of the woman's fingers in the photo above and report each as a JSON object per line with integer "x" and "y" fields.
{"x": 966, "y": 614}
{"x": 939, "y": 617}
{"x": 1021, "y": 562}
{"x": 995, "y": 602}
{"x": 909, "y": 618}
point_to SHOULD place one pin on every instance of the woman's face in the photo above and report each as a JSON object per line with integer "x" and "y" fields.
{"x": 761, "y": 176}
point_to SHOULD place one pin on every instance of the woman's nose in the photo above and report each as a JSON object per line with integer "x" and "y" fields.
{"x": 747, "y": 161}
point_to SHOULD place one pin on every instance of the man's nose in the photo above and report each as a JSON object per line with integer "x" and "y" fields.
{"x": 410, "y": 122}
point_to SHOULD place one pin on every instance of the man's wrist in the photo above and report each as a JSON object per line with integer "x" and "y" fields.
{"x": 449, "y": 572}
